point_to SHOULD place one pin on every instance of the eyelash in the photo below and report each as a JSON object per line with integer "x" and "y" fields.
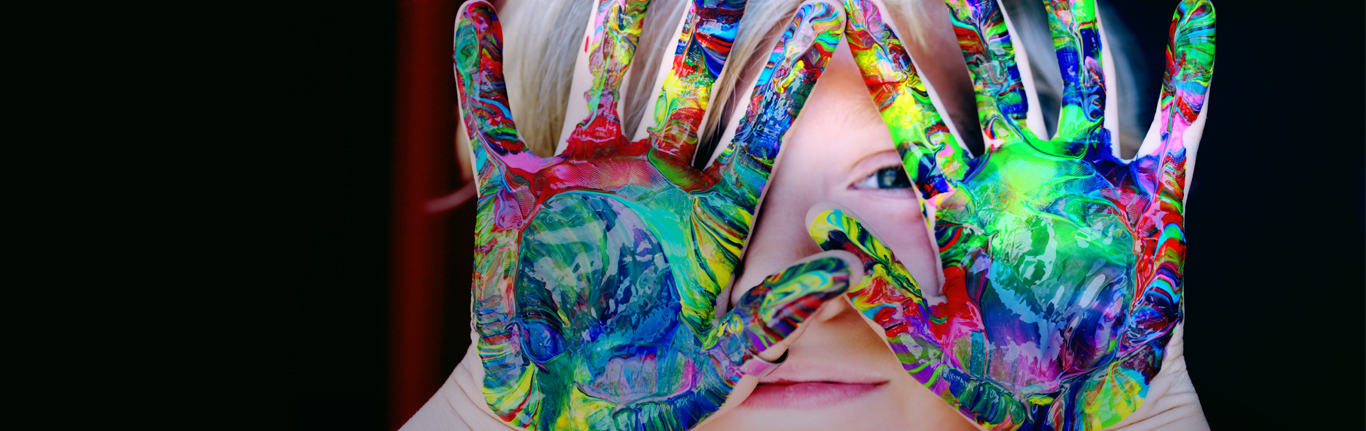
{"x": 887, "y": 178}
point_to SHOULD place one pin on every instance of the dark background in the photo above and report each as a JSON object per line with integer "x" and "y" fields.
{"x": 1275, "y": 218}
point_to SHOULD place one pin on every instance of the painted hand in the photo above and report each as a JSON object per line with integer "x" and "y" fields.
{"x": 597, "y": 269}
{"x": 1062, "y": 263}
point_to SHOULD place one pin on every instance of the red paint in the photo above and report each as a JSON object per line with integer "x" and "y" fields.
{"x": 960, "y": 312}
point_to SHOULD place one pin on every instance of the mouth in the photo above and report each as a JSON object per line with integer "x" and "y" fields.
{"x": 788, "y": 394}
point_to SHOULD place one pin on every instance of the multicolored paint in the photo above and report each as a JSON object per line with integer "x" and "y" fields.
{"x": 597, "y": 270}
{"x": 931, "y": 154}
{"x": 990, "y": 56}
{"x": 1062, "y": 262}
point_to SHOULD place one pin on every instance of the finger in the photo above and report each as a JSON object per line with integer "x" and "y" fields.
{"x": 464, "y": 154}
{"x": 1190, "y": 62}
{"x": 1162, "y": 167}
{"x": 836, "y": 229}
{"x": 729, "y": 190}
{"x": 1077, "y": 41}
{"x": 599, "y": 75}
{"x": 1108, "y": 145}
{"x": 766, "y": 315}
{"x": 1190, "y": 139}
{"x": 984, "y": 36}
{"x": 779, "y": 93}
{"x": 478, "y": 65}
{"x": 1034, "y": 117}
{"x": 1175, "y": 132}
{"x": 930, "y": 152}
{"x": 891, "y": 299}
{"x": 704, "y": 42}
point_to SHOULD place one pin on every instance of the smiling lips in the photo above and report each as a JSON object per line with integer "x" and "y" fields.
{"x": 782, "y": 394}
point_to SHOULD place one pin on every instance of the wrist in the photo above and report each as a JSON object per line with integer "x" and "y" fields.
{"x": 459, "y": 404}
{"x": 1171, "y": 403}
{"x": 464, "y": 390}
{"x": 1176, "y": 409}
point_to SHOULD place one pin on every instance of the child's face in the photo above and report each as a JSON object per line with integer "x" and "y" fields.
{"x": 840, "y": 374}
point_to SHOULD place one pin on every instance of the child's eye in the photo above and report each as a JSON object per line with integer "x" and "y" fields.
{"x": 891, "y": 177}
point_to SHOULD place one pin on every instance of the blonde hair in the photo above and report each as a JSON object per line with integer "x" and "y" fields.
{"x": 538, "y": 105}
{"x": 542, "y": 39}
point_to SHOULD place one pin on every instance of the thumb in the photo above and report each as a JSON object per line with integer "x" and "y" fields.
{"x": 888, "y": 296}
{"x": 834, "y": 228}
{"x": 765, "y": 319}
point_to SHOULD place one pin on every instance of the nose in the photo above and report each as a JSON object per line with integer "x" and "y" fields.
{"x": 840, "y": 334}
{"x": 838, "y": 308}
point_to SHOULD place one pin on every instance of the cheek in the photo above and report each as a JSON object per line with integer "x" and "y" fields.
{"x": 898, "y": 223}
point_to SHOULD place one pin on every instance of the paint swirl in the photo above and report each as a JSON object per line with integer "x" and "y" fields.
{"x": 597, "y": 269}
{"x": 1062, "y": 263}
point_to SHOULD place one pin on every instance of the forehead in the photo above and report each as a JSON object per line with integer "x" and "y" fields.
{"x": 840, "y": 107}
{"x": 841, "y": 92}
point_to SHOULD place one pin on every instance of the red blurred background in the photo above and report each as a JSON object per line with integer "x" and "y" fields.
{"x": 383, "y": 318}
{"x": 432, "y": 214}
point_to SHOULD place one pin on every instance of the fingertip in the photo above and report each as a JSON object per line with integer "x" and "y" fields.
{"x": 478, "y": 21}
{"x": 1201, "y": 4}
{"x": 833, "y": 272}
{"x": 838, "y": 270}
{"x": 781, "y": 88}
{"x": 846, "y": 262}
{"x": 829, "y": 6}
{"x": 823, "y": 211}
{"x": 480, "y": 7}
{"x": 825, "y": 219}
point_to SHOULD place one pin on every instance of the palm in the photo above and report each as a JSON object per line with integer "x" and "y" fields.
{"x": 1062, "y": 263}
{"x": 597, "y": 269}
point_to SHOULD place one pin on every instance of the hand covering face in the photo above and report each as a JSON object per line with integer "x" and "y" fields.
{"x": 597, "y": 269}
{"x": 1062, "y": 263}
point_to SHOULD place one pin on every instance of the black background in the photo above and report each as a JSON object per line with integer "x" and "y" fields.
{"x": 1275, "y": 265}
{"x": 258, "y": 287}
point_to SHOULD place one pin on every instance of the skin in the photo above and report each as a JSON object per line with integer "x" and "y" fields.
{"x": 1062, "y": 263}
{"x": 597, "y": 269}
{"x": 839, "y": 143}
